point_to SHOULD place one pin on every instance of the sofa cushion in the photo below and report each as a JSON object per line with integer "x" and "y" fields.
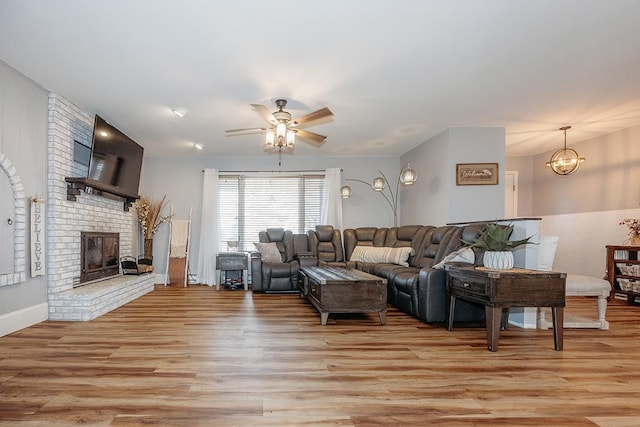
{"x": 269, "y": 252}
{"x": 381, "y": 254}
{"x": 461, "y": 255}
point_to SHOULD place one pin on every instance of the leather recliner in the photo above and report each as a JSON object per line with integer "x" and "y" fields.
{"x": 325, "y": 243}
{"x": 278, "y": 276}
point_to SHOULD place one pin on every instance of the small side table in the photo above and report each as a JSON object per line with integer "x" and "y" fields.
{"x": 232, "y": 264}
{"x": 501, "y": 289}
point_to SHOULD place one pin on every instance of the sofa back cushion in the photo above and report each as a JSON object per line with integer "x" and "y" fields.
{"x": 283, "y": 240}
{"x": 441, "y": 241}
{"x": 437, "y": 243}
{"x": 326, "y": 243}
{"x": 362, "y": 236}
{"x": 469, "y": 234}
{"x": 407, "y": 236}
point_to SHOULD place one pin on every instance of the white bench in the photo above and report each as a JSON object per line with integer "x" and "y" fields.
{"x": 576, "y": 285}
{"x": 582, "y": 286}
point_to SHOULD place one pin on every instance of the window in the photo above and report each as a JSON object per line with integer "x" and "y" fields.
{"x": 250, "y": 204}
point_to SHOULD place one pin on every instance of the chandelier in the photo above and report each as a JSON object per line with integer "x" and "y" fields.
{"x": 406, "y": 177}
{"x": 566, "y": 160}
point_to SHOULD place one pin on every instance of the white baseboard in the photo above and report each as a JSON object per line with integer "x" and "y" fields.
{"x": 23, "y": 318}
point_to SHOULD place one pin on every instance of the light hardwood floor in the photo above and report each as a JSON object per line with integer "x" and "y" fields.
{"x": 196, "y": 356}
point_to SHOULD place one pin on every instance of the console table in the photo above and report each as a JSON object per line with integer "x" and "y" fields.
{"x": 499, "y": 290}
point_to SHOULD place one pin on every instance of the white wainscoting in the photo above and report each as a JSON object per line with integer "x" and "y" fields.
{"x": 583, "y": 237}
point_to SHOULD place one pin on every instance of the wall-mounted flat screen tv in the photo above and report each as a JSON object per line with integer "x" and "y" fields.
{"x": 116, "y": 160}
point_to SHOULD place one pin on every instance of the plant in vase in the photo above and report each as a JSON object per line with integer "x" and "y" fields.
{"x": 633, "y": 225}
{"x": 494, "y": 240}
{"x": 149, "y": 214}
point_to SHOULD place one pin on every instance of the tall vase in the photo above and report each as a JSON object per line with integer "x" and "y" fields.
{"x": 148, "y": 248}
{"x": 634, "y": 240}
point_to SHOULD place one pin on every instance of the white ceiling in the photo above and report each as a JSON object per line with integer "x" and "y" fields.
{"x": 395, "y": 73}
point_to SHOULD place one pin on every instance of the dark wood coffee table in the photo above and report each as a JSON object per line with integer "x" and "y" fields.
{"x": 343, "y": 290}
{"x": 500, "y": 289}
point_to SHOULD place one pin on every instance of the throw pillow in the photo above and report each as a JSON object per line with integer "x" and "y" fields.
{"x": 465, "y": 254}
{"x": 547, "y": 252}
{"x": 269, "y": 252}
{"x": 374, "y": 255}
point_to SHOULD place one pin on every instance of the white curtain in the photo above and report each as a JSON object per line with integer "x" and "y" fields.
{"x": 332, "y": 202}
{"x": 209, "y": 229}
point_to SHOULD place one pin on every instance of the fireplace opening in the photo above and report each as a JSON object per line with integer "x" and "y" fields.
{"x": 99, "y": 255}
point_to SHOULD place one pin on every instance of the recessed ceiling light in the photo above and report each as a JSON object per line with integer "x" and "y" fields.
{"x": 180, "y": 111}
{"x": 198, "y": 146}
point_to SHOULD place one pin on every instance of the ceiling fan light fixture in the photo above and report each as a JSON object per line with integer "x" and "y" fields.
{"x": 291, "y": 138}
{"x": 281, "y": 130}
{"x": 565, "y": 161}
{"x": 271, "y": 138}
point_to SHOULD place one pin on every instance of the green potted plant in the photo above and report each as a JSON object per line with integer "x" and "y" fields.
{"x": 494, "y": 240}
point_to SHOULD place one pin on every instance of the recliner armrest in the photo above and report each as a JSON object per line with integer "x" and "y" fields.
{"x": 432, "y": 293}
{"x": 256, "y": 271}
{"x": 306, "y": 259}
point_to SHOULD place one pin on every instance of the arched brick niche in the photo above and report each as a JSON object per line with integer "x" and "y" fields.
{"x": 19, "y": 223}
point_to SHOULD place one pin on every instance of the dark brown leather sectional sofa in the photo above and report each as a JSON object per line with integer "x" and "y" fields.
{"x": 418, "y": 289}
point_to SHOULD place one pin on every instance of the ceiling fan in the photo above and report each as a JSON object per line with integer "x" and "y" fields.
{"x": 282, "y": 131}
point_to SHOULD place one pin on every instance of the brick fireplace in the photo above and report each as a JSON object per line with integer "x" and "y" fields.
{"x": 89, "y": 213}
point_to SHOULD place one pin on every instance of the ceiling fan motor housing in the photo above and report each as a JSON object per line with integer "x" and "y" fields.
{"x": 282, "y": 116}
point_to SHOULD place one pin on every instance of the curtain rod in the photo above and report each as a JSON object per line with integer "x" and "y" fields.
{"x": 291, "y": 171}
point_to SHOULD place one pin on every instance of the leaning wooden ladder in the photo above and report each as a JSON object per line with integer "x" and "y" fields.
{"x": 178, "y": 251}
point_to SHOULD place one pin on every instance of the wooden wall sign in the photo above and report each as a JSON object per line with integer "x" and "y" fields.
{"x": 476, "y": 173}
{"x": 37, "y": 237}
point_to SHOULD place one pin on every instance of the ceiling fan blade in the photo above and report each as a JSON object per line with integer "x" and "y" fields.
{"x": 245, "y": 131}
{"x": 264, "y": 113}
{"x": 310, "y": 137}
{"x": 324, "y": 115}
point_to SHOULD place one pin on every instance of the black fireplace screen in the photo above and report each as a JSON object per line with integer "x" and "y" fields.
{"x": 99, "y": 255}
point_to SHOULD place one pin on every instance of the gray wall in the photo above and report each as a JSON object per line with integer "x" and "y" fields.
{"x": 23, "y": 139}
{"x": 427, "y": 201}
{"x": 608, "y": 180}
{"x": 435, "y": 199}
{"x": 584, "y": 208}
{"x": 181, "y": 181}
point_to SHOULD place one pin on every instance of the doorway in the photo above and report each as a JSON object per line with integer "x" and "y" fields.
{"x": 511, "y": 194}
